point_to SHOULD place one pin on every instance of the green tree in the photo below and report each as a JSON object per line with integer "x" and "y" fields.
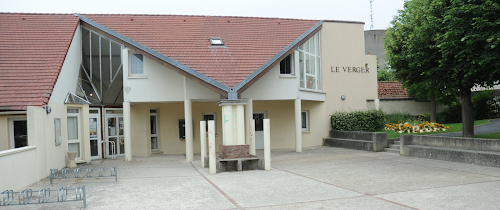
{"x": 412, "y": 53}
{"x": 448, "y": 46}
{"x": 469, "y": 43}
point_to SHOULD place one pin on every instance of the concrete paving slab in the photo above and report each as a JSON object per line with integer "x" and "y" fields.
{"x": 362, "y": 202}
{"x": 256, "y": 191}
{"x": 469, "y": 196}
{"x": 385, "y": 175}
{"x": 318, "y": 178}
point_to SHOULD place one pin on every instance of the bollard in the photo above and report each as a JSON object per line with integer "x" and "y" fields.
{"x": 252, "y": 137}
{"x": 211, "y": 146}
{"x": 203, "y": 141}
{"x": 267, "y": 144}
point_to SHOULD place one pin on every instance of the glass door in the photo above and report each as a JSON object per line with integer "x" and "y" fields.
{"x": 259, "y": 129}
{"x": 95, "y": 133}
{"x": 114, "y": 131}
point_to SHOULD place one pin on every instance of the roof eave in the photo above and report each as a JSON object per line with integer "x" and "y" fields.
{"x": 184, "y": 70}
{"x": 254, "y": 76}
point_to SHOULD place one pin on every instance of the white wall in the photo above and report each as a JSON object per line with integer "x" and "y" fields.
{"x": 68, "y": 77}
{"x": 19, "y": 168}
{"x": 274, "y": 86}
{"x": 160, "y": 84}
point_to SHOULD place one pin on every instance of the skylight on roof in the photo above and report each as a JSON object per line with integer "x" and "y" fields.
{"x": 216, "y": 41}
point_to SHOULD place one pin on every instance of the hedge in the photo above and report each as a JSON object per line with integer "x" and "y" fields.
{"x": 371, "y": 120}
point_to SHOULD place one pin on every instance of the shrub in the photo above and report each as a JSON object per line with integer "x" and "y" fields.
{"x": 396, "y": 117}
{"x": 479, "y": 102}
{"x": 371, "y": 120}
{"x": 424, "y": 117}
{"x": 454, "y": 113}
{"x": 494, "y": 107}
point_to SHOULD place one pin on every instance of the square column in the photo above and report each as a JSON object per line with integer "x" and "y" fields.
{"x": 188, "y": 123}
{"x": 233, "y": 121}
{"x": 127, "y": 137}
{"x": 298, "y": 125}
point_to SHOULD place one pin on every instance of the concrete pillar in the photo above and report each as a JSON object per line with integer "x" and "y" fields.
{"x": 127, "y": 137}
{"x": 227, "y": 125}
{"x": 298, "y": 125}
{"x": 240, "y": 124}
{"x": 203, "y": 142}
{"x": 188, "y": 119}
{"x": 211, "y": 147}
{"x": 233, "y": 121}
{"x": 377, "y": 103}
{"x": 267, "y": 144}
{"x": 248, "y": 117}
{"x": 252, "y": 137}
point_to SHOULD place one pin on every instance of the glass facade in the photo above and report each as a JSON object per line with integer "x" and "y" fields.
{"x": 100, "y": 80}
{"x": 310, "y": 63}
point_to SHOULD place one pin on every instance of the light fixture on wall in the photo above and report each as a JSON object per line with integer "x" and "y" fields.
{"x": 48, "y": 109}
{"x": 342, "y": 97}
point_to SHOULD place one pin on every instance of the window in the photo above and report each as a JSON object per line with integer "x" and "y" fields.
{"x": 136, "y": 64}
{"x": 74, "y": 140}
{"x": 216, "y": 41}
{"x": 310, "y": 63}
{"x": 286, "y": 65}
{"x": 57, "y": 131}
{"x": 305, "y": 120}
{"x": 207, "y": 117}
{"x": 18, "y": 133}
{"x": 153, "y": 119}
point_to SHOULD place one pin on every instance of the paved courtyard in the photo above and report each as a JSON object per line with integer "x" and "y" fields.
{"x": 317, "y": 178}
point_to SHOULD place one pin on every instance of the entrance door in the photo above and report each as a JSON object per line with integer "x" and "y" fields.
{"x": 114, "y": 131}
{"x": 259, "y": 129}
{"x": 95, "y": 133}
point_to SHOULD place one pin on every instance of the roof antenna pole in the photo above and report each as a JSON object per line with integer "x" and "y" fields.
{"x": 371, "y": 15}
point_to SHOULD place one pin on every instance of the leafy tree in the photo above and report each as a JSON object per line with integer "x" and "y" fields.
{"x": 447, "y": 45}
{"x": 412, "y": 54}
{"x": 384, "y": 75}
{"x": 469, "y": 43}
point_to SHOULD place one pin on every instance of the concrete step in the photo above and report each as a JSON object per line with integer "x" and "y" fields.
{"x": 396, "y": 142}
{"x": 394, "y": 146}
{"x": 391, "y": 150}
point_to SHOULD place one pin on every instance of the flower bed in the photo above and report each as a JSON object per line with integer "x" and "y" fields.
{"x": 405, "y": 127}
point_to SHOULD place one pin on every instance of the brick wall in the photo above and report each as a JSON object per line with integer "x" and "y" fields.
{"x": 234, "y": 151}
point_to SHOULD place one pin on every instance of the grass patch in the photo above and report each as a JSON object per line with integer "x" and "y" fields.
{"x": 454, "y": 127}
{"x": 488, "y": 136}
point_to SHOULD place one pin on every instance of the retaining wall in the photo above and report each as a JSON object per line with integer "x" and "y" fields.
{"x": 456, "y": 149}
{"x": 19, "y": 168}
{"x": 369, "y": 141}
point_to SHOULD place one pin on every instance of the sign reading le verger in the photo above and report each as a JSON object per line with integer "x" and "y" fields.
{"x": 351, "y": 69}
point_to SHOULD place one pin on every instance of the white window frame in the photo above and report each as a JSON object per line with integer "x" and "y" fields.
{"x": 307, "y": 120}
{"x": 79, "y": 130}
{"x": 316, "y": 55}
{"x": 215, "y": 120}
{"x": 143, "y": 74}
{"x": 157, "y": 131}
{"x": 11, "y": 130}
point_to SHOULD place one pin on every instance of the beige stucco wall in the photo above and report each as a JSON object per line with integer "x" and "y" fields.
{"x": 4, "y": 133}
{"x": 280, "y": 112}
{"x": 411, "y": 106}
{"x": 343, "y": 48}
{"x": 5, "y": 130}
{"x": 169, "y": 115}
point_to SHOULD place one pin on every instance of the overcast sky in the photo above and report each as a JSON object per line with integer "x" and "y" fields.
{"x": 352, "y": 10}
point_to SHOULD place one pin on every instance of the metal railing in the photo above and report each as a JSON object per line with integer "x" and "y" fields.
{"x": 8, "y": 197}
{"x": 69, "y": 173}
{"x": 110, "y": 145}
